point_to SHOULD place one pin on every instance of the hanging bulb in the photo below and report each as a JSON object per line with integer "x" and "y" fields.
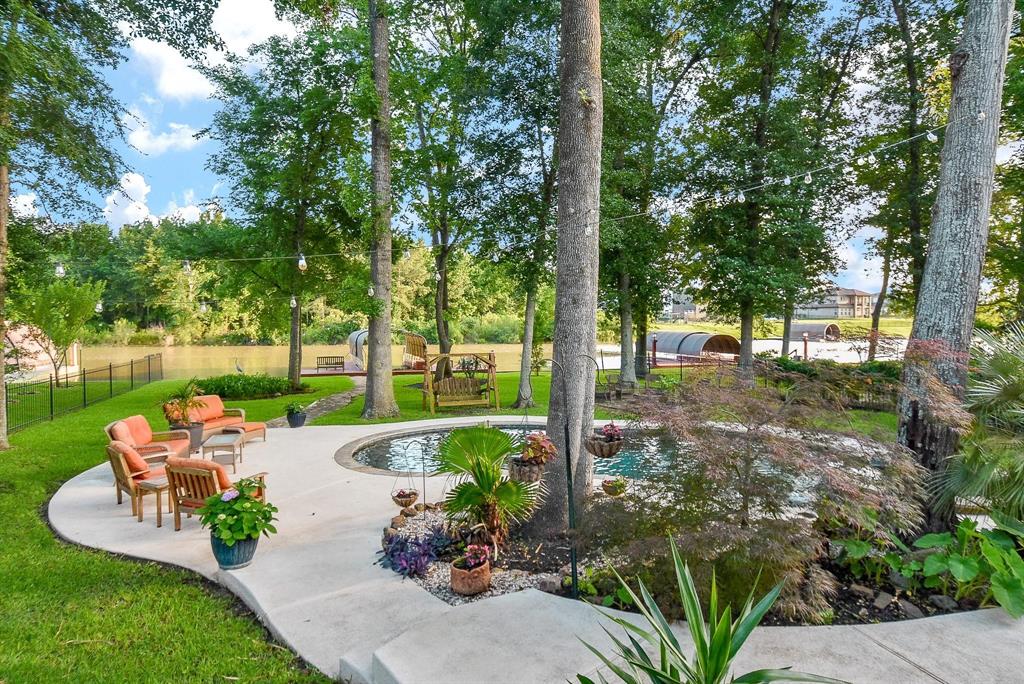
{"x": 59, "y": 270}
{"x": 437, "y": 277}
{"x": 932, "y": 138}
{"x": 186, "y": 267}
{"x": 202, "y": 307}
{"x": 589, "y": 230}
{"x": 98, "y": 308}
{"x": 741, "y": 198}
{"x": 786, "y": 180}
{"x": 293, "y": 303}
{"x": 406, "y": 254}
{"x": 369, "y": 290}
{"x": 872, "y": 159}
{"x": 302, "y": 263}
{"x": 981, "y": 116}
{"x": 808, "y": 179}
{"x": 494, "y": 257}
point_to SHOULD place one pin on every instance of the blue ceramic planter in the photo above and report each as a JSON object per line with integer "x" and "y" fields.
{"x": 233, "y": 557}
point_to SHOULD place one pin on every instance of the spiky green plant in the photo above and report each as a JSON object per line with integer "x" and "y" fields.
{"x": 716, "y": 642}
{"x": 996, "y": 391}
{"x": 483, "y": 494}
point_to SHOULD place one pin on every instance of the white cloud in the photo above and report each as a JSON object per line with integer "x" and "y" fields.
{"x": 128, "y": 205}
{"x": 861, "y": 270}
{"x": 141, "y": 136}
{"x": 241, "y": 23}
{"x": 189, "y": 211}
{"x": 24, "y": 206}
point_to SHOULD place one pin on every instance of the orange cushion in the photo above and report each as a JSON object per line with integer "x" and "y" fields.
{"x": 139, "y": 427}
{"x": 132, "y": 459}
{"x": 120, "y": 432}
{"x": 213, "y": 407}
{"x": 222, "y": 475}
{"x": 251, "y": 427}
{"x": 223, "y": 421}
{"x": 178, "y": 447}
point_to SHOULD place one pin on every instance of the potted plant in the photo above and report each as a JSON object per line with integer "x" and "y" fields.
{"x": 179, "y": 408}
{"x": 605, "y": 443}
{"x": 404, "y": 498}
{"x": 471, "y": 572}
{"x": 615, "y": 486}
{"x": 538, "y": 450}
{"x": 296, "y": 414}
{"x": 237, "y": 518}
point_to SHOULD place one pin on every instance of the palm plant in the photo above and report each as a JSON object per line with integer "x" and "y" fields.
{"x": 484, "y": 495}
{"x": 988, "y": 471}
{"x": 716, "y": 642}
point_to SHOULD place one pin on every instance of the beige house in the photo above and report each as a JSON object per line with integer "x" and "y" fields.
{"x": 840, "y": 302}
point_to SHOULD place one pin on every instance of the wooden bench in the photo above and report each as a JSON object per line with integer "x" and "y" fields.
{"x": 330, "y": 363}
{"x": 462, "y": 392}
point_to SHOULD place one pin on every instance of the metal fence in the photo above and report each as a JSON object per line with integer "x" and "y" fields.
{"x": 32, "y": 402}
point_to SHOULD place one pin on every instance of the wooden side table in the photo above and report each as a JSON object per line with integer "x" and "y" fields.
{"x": 227, "y": 442}
{"x": 157, "y": 485}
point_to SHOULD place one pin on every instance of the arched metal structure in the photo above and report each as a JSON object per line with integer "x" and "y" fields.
{"x": 815, "y": 331}
{"x": 357, "y": 342}
{"x": 693, "y": 345}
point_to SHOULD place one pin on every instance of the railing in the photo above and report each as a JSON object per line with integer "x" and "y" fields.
{"x": 33, "y": 402}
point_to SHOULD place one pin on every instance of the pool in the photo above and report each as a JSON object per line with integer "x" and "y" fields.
{"x": 645, "y": 453}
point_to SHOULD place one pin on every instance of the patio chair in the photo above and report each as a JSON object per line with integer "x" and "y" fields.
{"x": 154, "y": 446}
{"x": 193, "y": 481}
{"x": 129, "y": 469}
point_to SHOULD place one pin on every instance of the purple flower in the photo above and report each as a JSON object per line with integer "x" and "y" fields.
{"x": 229, "y": 495}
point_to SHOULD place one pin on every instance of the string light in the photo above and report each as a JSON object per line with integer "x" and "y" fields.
{"x": 369, "y": 291}
{"x": 741, "y": 198}
{"x": 293, "y": 303}
{"x": 186, "y": 266}
{"x": 494, "y": 257}
{"x": 59, "y": 270}
{"x": 932, "y": 138}
{"x": 981, "y": 116}
{"x": 872, "y": 159}
{"x": 786, "y": 180}
{"x": 437, "y": 277}
{"x": 202, "y": 307}
{"x": 302, "y": 263}
{"x": 98, "y": 308}
{"x": 808, "y": 179}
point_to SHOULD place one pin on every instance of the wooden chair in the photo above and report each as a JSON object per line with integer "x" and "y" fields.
{"x": 127, "y": 477}
{"x": 193, "y": 481}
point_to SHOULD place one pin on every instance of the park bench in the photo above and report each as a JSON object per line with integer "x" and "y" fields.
{"x": 330, "y": 363}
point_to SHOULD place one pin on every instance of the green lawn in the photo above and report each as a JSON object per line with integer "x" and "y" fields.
{"x": 892, "y": 326}
{"x": 79, "y": 615}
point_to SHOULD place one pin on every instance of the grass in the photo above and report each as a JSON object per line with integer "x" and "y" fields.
{"x": 76, "y": 614}
{"x": 891, "y": 326}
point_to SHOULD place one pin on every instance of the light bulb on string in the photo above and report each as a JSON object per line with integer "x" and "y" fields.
{"x": 406, "y": 254}
{"x": 437, "y": 277}
{"x": 808, "y": 179}
{"x": 981, "y": 116}
{"x": 302, "y": 263}
{"x": 787, "y": 180}
{"x": 872, "y": 159}
{"x": 369, "y": 290}
{"x": 98, "y": 308}
{"x": 932, "y": 138}
{"x": 202, "y": 307}
{"x": 59, "y": 271}
{"x": 186, "y": 267}
{"x": 494, "y": 257}
{"x": 293, "y": 303}
{"x": 741, "y": 198}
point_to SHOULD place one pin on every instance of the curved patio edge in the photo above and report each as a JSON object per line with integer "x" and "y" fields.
{"x": 315, "y": 588}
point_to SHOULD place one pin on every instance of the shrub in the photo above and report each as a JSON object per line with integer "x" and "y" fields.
{"x": 236, "y": 514}
{"x": 333, "y": 332}
{"x": 146, "y": 338}
{"x": 408, "y": 557}
{"x": 246, "y": 386}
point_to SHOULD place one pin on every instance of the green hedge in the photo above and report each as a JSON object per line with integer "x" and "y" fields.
{"x": 245, "y": 386}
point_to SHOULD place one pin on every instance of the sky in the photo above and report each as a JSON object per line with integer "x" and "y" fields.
{"x": 169, "y": 102}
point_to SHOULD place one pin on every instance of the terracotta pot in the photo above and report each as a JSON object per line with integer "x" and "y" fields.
{"x": 405, "y": 501}
{"x": 523, "y": 471}
{"x": 471, "y": 582}
{"x": 601, "y": 448}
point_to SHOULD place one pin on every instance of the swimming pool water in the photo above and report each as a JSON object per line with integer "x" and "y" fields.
{"x": 644, "y": 453}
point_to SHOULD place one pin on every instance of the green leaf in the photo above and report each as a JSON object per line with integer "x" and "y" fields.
{"x": 855, "y": 548}
{"x": 934, "y": 540}
{"x": 935, "y": 564}
{"x": 1009, "y": 593}
{"x": 1008, "y": 524}
{"x": 608, "y": 601}
{"x": 783, "y": 675}
{"x": 963, "y": 568}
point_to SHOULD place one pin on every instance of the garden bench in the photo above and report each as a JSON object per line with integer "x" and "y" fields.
{"x": 330, "y": 363}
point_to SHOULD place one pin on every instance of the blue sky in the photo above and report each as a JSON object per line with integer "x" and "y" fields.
{"x": 169, "y": 102}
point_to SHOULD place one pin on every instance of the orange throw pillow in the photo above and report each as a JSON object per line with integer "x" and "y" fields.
{"x": 132, "y": 459}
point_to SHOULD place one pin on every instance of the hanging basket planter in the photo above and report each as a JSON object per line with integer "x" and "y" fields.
{"x": 525, "y": 471}
{"x": 601, "y": 447}
{"x": 404, "y": 498}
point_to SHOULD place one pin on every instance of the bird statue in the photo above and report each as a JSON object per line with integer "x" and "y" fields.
{"x": 238, "y": 367}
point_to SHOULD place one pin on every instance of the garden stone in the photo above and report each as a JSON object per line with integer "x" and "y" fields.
{"x": 863, "y": 613}
{"x": 550, "y": 585}
{"x": 897, "y": 580}
{"x": 398, "y": 522}
{"x": 883, "y": 600}
{"x": 943, "y": 602}
{"x": 910, "y": 609}
{"x": 861, "y": 590}
{"x": 596, "y": 600}
{"x": 409, "y": 512}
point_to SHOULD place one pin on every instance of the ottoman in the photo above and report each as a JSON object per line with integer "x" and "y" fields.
{"x": 249, "y": 430}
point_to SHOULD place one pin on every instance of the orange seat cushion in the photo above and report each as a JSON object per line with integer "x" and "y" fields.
{"x": 134, "y": 431}
{"x": 178, "y": 447}
{"x": 221, "y": 422}
{"x": 222, "y": 475}
{"x": 134, "y": 461}
{"x": 212, "y": 408}
{"x": 251, "y": 427}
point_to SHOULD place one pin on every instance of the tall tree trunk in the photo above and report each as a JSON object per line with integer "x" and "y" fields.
{"x": 640, "y": 357}
{"x": 627, "y": 365}
{"x": 5, "y": 203}
{"x": 787, "y": 327}
{"x": 295, "y": 347}
{"x": 876, "y": 313}
{"x": 524, "y": 397}
{"x": 949, "y": 289}
{"x": 579, "y": 202}
{"x": 380, "y": 393}
{"x": 746, "y": 363}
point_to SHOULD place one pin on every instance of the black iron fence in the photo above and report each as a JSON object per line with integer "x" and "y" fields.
{"x": 33, "y": 402}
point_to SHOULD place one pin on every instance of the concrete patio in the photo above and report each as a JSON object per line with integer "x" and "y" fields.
{"x": 315, "y": 587}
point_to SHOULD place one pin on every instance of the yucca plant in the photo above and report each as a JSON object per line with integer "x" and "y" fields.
{"x": 483, "y": 494}
{"x": 715, "y": 642}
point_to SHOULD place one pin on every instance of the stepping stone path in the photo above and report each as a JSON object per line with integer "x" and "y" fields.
{"x": 332, "y": 402}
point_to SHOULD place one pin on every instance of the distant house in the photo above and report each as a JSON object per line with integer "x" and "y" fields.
{"x": 840, "y": 302}
{"x": 680, "y": 306}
